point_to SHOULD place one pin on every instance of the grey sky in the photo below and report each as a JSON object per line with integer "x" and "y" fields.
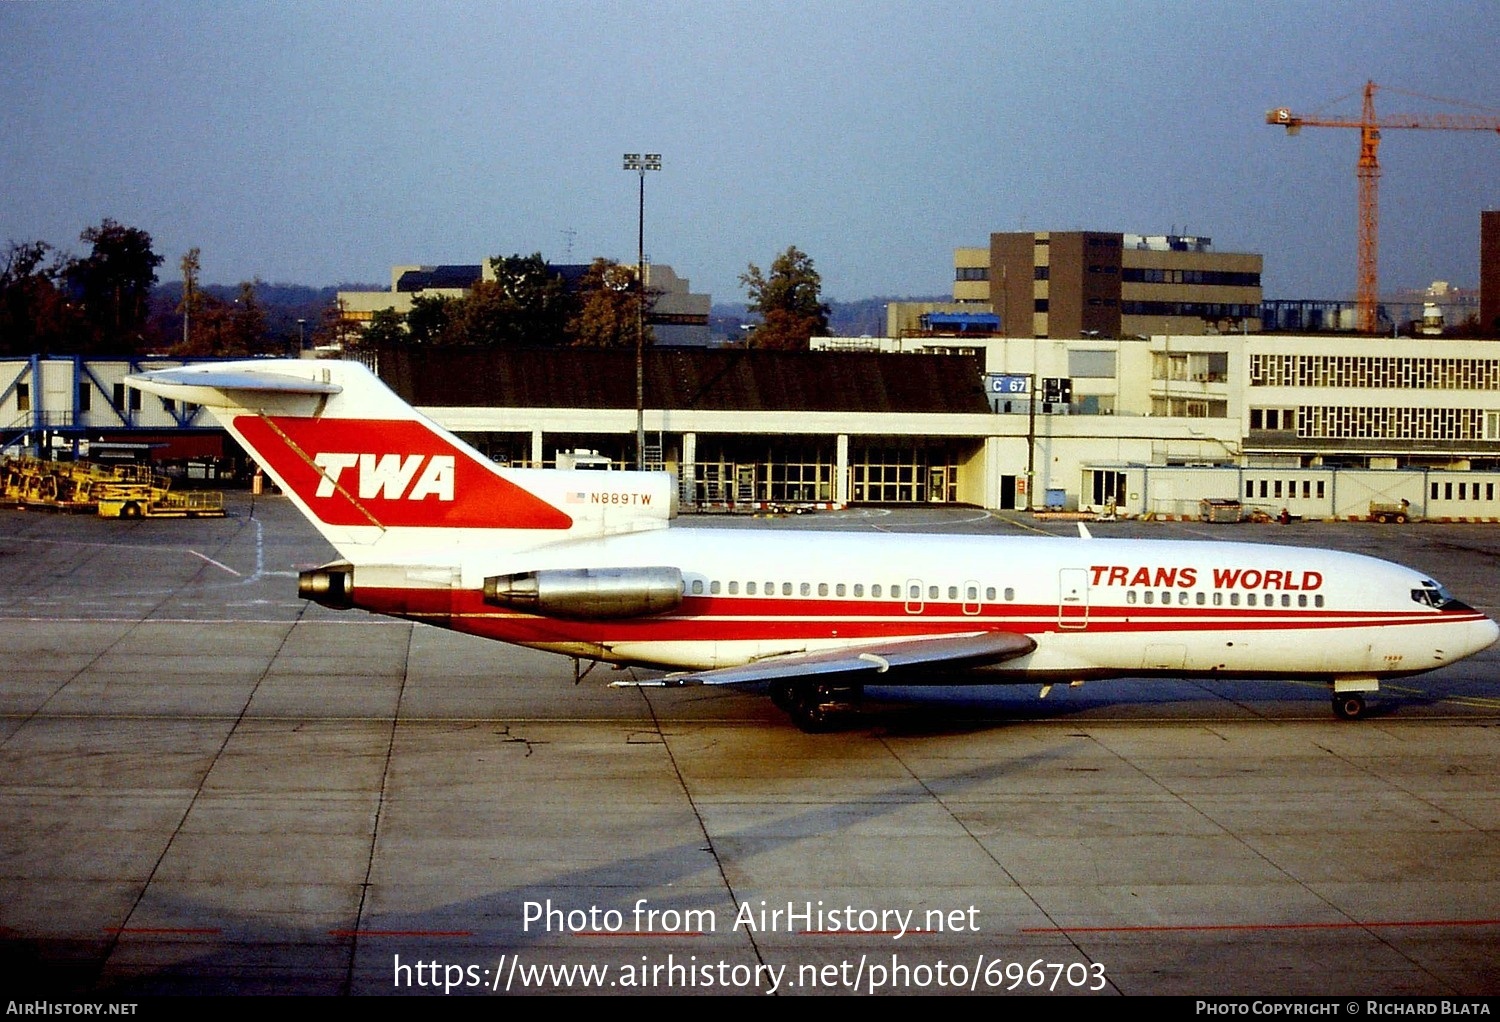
{"x": 325, "y": 142}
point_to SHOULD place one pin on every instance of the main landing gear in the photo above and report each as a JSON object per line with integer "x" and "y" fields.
{"x": 815, "y": 707}
{"x": 1348, "y": 705}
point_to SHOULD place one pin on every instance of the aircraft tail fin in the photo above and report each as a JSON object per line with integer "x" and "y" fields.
{"x": 366, "y": 468}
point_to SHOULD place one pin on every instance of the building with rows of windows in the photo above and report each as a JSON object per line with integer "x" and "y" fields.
{"x": 1317, "y": 425}
{"x": 1103, "y": 284}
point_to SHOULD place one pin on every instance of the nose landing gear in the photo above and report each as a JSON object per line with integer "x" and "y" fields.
{"x": 1348, "y": 705}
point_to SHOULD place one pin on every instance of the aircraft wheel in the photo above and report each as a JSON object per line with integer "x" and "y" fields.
{"x": 820, "y": 708}
{"x": 1349, "y": 706}
{"x": 784, "y": 696}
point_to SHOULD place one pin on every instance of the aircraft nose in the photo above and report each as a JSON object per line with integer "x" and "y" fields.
{"x": 1485, "y": 633}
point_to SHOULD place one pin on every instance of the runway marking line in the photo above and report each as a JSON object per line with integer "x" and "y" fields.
{"x": 640, "y": 933}
{"x": 1268, "y": 927}
{"x": 401, "y": 933}
{"x": 216, "y": 564}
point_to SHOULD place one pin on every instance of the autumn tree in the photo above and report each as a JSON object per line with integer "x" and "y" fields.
{"x": 526, "y": 304}
{"x": 191, "y": 306}
{"x": 608, "y": 311}
{"x": 789, "y": 301}
{"x": 247, "y": 323}
{"x": 335, "y": 329}
{"x": 31, "y": 309}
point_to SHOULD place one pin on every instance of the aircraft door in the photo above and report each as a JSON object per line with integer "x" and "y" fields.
{"x": 972, "y": 605}
{"x": 913, "y": 593}
{"x": 1073, "y": 598}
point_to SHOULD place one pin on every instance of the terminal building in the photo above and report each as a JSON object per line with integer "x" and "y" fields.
{"x": 1320, "y": 426}
{"x": 1076, "y": 370}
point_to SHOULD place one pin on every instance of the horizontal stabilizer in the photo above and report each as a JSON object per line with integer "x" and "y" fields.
{"x": 884, "y": 662}
{"x": 211, "y": 379}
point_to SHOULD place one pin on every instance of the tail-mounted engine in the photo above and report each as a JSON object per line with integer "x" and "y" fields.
{"x": 588, "y": 593}
{"x": 332, "y": 585}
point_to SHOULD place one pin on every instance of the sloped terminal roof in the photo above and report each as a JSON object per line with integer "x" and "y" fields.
{"x": 722, "y": 379}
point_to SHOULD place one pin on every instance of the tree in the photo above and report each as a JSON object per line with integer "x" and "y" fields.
{"x": 789, "y": 301}
{"x": 430, "y": 320}
{"x": 386, "y": 329}
{"x": 247, "y": 323}
{"x": 32, "y": 313}
{"x": 526, "y": 304}
{"x": 192, "y": 298}
{"x": 112, "y": 284}
{"x": 607, "y": 312}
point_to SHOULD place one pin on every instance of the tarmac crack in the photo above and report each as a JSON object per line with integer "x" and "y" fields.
{"x": 385, "y": 778}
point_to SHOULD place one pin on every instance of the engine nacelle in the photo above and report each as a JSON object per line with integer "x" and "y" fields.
{"x": 332, "y": 585}
{"x": 588, "y": 593}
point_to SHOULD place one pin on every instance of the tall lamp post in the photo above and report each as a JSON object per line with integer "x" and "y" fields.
{"x": 640, "y": 164}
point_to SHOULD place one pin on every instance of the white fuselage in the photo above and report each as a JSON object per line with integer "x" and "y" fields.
{"x": 1095, "y": 607}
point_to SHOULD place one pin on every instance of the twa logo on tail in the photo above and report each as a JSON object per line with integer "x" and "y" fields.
{"x": 391, "y": 472}
{"x": 388, "y": 475}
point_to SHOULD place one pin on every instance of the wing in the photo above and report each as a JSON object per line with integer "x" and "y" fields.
{"x": 884, "y": 661}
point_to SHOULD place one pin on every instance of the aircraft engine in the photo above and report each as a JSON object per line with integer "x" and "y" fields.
{"x": 589, "y": 593}
{"x": 332, "y": 585}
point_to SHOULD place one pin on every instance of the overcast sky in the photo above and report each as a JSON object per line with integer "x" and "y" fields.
{"x": 320, "y": 143}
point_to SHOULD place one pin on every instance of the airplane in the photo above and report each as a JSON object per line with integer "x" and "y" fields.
{"x": 585, "y": 564}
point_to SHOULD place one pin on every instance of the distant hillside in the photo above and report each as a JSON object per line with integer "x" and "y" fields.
{"x": 284, "y": 304}
{"x": 845, "y": 319}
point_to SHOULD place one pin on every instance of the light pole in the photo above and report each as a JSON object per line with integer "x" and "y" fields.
{"x": 640, "y": 164}
{"x": 301, "y": 336}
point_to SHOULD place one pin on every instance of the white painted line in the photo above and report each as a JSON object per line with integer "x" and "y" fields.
{"x": 215, "y": 563}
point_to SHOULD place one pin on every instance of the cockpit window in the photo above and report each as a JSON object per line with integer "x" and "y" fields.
{"x": 1432, "y": 595}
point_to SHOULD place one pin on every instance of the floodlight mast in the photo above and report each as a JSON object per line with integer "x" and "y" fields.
{"x": 640, "y": 164}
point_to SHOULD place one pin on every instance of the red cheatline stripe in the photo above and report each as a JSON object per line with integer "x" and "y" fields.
{"x": 401, "y": 933}
{"x": 1240, "y": 927}
{"x": 640, "y": 933}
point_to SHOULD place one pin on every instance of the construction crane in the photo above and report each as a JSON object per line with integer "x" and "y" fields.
{"x": 1368, "y": 172}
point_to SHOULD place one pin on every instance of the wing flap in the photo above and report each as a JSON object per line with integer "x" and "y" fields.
{"x": 883, "y": 661}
